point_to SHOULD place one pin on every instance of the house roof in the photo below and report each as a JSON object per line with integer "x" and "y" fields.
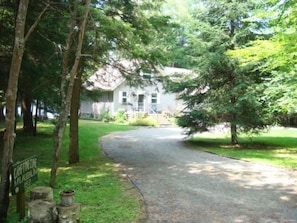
{"x": 109, "y": 77}
{"x": 106, "y": 78}
{"x": 170, "y": 71}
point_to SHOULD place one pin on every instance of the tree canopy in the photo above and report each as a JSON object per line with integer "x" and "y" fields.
{"x": 276, "y": 56}
{"x": 222, "y": 91}
{"x": 63, "y": 40}
{"x": 242, "y": 53}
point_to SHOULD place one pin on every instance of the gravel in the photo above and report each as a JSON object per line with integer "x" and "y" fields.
{"x": 180, "y": 184}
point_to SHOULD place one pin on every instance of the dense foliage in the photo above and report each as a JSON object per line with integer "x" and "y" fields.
{"x": 221, "y": 91}
{"x": 276, "y": 56}
{"x": 116, "y": 30}
{"x": 242, "y": 52}
{"x": 55, "y": 44}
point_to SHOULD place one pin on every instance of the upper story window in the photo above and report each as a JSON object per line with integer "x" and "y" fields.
{"x": 154, "y": 98}
{"x": 147, "y": 74}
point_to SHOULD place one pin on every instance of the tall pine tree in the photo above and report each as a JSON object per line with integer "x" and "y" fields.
{"x": 221, "y": 92}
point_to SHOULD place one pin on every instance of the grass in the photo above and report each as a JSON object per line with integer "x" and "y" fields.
{"x": 277, "y": 147}
{"x": 104, "y": 195}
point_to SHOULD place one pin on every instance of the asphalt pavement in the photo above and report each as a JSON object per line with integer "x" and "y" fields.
{"x": 180, "y": 184}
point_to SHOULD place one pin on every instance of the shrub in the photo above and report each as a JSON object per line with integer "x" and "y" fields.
{"x": 106, "y": 116}
{"x": 143, "y": 120}
{"x": 121, "y": 117}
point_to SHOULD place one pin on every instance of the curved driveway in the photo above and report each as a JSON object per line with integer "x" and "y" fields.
{"x": 184, "y": 185}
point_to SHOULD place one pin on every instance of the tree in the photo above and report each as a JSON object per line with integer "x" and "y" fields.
{"x": 28, "y": 77}
{"x": 36, "y": 69}
{"x": 277, "y": 56}
{"x": 8, "y": 11}
{"x": 176, "y": 42}
{"x": 11, "y": 94}
{"x": 128, "y": 31}
{"x": 67, "y": 88}
{"x": 73, "y": 151}
{"x": 221, "y": 91}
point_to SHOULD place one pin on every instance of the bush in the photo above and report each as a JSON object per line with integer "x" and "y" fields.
{"x": 288, "y": 120}
{"x": 143, "y": 120}
{"x": 105, "y": 116}
{"x": 121, "y": 117}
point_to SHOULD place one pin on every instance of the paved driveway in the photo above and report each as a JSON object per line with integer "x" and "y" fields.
{"x": 184, "y": 185}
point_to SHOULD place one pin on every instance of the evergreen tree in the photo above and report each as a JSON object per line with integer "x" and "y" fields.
{"x": 221, "y": 92}
{"x": 277, "y": 57}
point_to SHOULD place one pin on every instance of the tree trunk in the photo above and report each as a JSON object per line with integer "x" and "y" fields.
{"x": 2, "y": 117}
{"x": 42, "y": 211}
{"x": 62, "y": 118}
{"x": 27, "y": 115}
{"x": 69, "y": 213}
{"x": 234, "y": 137}
{"x": 1, "y": 106}
{"x": 11, "y": 95}
{"x": 42, "y": 193}
{"x": 73, "y": 154}
{"x": 66, "y": 101}
{"x": 36, "y": 118}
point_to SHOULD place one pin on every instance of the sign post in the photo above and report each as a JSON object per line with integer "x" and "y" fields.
{"x": 20, "y": 203}
{"x": 23, "y": 174}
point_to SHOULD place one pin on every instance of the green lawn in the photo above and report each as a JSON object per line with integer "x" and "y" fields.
{"x": 277, "y": 146}
{"x": 104, "y": 195}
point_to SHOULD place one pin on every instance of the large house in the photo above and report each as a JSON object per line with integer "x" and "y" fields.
{"x": 117, "y": 95}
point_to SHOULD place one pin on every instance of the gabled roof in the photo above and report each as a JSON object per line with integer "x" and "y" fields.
{"x": 108, "y": 78}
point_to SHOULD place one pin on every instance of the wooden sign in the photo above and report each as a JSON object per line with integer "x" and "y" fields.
{"x": 23, "y": 174}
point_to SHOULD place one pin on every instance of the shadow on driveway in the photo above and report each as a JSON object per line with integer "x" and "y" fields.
{"x": 184, "y": 185}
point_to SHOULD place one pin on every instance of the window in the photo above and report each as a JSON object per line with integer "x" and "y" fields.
{"x": 154, "y": 98}
{"x": 123, "y": 97}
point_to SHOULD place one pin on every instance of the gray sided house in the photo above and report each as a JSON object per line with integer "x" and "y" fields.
{"x": 117, "y": 95}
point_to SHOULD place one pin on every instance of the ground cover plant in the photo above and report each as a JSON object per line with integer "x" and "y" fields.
{"x": 143, "y": 120}
{"x": 277, "y": 146}
{"x": 105, "y": 197}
